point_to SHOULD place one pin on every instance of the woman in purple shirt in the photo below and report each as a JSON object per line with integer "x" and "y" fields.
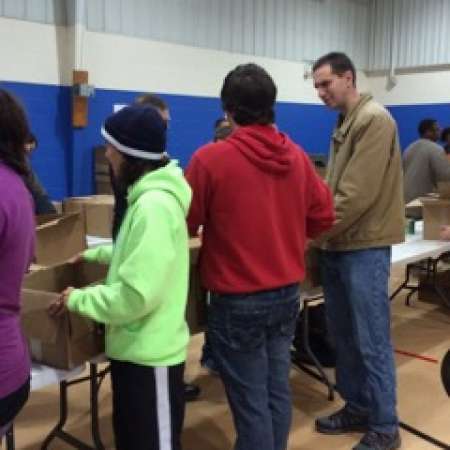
{"x": 16, "y": 253}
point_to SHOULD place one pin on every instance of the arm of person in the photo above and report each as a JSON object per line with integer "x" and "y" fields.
{"x": 142, "y": 278}
{"x": 320, "y": 215}
{"x": 440, "y": 166}
{"x": 101, "y": 254}
{"x": 362, "y": 179}
{"x": 198, "y": 178}
{"x": 42, "y": 202}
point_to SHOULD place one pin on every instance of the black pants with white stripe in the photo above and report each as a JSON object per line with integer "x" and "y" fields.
{"x": 148, "y": 406}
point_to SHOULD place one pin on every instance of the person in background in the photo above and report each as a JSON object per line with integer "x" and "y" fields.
{"x": 120, "y": 205}
{"x": 258, "y": 198}
{"x": 445, "y": 138}
{"x": 424, "y": 162}
{"x": 192, "y": 391}
{"x": 16, "y": 253}
{"x": 222, "y": 129}
{"x": 365, "y": 176}
{"x": 42, "y": 202}
{"x": 143, "y": 300}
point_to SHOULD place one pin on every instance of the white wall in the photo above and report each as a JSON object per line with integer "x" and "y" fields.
{"x": 418, "y": 88}
{"x": 34, "y": 52}
{"x": 41, "y": 53}
{"x": 144, "y": 65}
{"x": 296, "y": 30}
{"x": 138, "y": 64}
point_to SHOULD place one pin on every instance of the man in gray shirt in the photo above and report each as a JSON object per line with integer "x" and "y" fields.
{"x": 424, "y": 162}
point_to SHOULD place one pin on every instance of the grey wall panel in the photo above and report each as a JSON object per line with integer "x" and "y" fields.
{"x": 44, "y": 11}
{"x": 97, "y": 14}
{"x": 14, "y": 8}
{"x": 286, "y": 29}
{"x": 422, "y": 33}
{"x": 37, "y": 9}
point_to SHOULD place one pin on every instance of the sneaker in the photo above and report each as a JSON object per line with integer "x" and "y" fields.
{"x": 379, "y": 441}
{"x": 342, "y": 421}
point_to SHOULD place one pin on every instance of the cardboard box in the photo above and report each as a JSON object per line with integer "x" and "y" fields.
{"x": 101, "y": 170}
{"x": 97, "y": 211}
{"x": 58, "y": 207}
{"x": 444, "y": 189}
{"x": 101, "y": 164}
{"x": 436, "y": 213}
{"x": 413, "y": 209}
{"x": 103, "y": 184}
{"x": 64, "y": 342}
{"x": 58, "y": 238}
{"x": 196, "y": 309}
{"x": 70, "y": 340}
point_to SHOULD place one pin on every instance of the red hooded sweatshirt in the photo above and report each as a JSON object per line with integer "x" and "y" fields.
{"x": 258, "y": 198}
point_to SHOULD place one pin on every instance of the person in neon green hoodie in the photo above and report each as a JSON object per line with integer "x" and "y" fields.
{"x": 143, "y": 300}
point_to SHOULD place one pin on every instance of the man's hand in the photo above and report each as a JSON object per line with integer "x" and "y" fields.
{"x": 445, "y": 233}
{"x": 59, "y": 307}
{"x": 77, "y": 258}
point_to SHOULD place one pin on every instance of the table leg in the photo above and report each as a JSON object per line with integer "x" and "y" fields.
{"x": 10, "y": 444}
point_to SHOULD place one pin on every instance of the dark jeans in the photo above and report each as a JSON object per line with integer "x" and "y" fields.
{"x": 358, "y": 309}
{"x": 148, "y": 406}
{"x": 250, "y": 337}
{"x": 11, "y": 405}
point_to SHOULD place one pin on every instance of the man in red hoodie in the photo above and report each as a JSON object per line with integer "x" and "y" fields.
{"x": 259, "y": 199}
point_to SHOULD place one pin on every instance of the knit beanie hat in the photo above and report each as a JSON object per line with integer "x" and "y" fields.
{"x": 137, "y": 130}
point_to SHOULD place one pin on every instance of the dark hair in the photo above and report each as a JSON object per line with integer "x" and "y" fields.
{"x": 426, "y": 125}
{"x": 13, "y": 134}
{"x": 249, "y": 94}
{"x": 221, "y": 133}
{"x": 218, "y": 123}
{"x": 445, "y": 134}
{"x": 339, "y": 63}
{"x": 31, "y": 139}
{"x": 134, "y": 168}
{"x": 152, "y": 100}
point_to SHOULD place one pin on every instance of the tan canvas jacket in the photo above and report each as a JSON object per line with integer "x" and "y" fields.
{"x": 365, "y": 176}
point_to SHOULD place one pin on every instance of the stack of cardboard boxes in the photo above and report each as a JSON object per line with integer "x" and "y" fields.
{"x": 436, "y": 211}
{"x": 58, "y": 238}
{"x": 96, "y": 210}
{"x": 63, "y": 342}
{"x": 101, "y": 171}
{"x": 67, "y": 341}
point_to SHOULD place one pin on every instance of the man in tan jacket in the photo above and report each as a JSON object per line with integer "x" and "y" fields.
{"x": 365, "y": 176}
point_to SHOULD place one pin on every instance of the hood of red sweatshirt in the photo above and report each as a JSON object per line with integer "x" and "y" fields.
{"x": 265, "y": 147}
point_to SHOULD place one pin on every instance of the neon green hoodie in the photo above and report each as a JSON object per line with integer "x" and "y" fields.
{"x": 143, "y": 300}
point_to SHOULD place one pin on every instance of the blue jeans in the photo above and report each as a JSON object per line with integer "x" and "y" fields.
{"x": 358, "y": 309}
{"x": 250, "y": 337}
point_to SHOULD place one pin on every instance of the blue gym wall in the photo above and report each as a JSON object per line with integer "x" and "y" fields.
{"x": 409, "y": 116}
{"x": 63, "y": 160}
